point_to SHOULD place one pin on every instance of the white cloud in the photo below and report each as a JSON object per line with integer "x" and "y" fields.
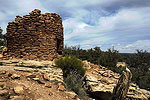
{"x": 125, "y": 18}
{"x": 127, "y": 24}
{"x": 26, "y": 6}
{"x": 131, "y": 48}
{"x": 3, "y": 26}
{"x": 81, "y": 3}
{"x": 80, "y": 33}
{"x": 2, "y": 16}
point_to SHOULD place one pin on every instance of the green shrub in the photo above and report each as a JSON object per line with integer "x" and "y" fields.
{"x": 69, "y": 65}
{"x": 75, "y": 84}
{"x": 117, "y": 69}
{"x": 73, "y": 73}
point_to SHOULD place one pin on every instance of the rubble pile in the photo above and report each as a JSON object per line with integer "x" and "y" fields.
{"x": 35, "y": 36}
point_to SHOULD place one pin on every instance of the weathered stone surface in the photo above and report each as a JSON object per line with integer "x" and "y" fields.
{"x": 2, "y": 80}
{"x": 15, "y": 76}
{"x": 71, "y": 94}
{"x": 49, "y": 85}
{"x": 39, "y": 99}
{"x": 121, "y": 89}
{"x": 31, "y": 89}
{"x": 2, "y": 72}
{"x": 100, "y": 82}
{"x": 17, "y": 98}
{"x": 46, "y": 76}
{"x": 18, "y": 89}
{"x": 49, "y": 71}
{"x": 78, "y": 98}
{"x": 3, "y": 92}
{"x": 61, "y": 87}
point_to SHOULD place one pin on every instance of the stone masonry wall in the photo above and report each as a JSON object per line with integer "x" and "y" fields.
{"x": 35, "y": 36}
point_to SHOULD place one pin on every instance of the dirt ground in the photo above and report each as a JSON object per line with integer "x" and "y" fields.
{"x": 19, "y": 85}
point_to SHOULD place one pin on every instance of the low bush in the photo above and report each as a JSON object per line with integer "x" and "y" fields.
{"x": 117, "y": 69}
{"x": 75, "y": 84}
{"x": 70, "y": 65}
{"x": 73, "y": 73}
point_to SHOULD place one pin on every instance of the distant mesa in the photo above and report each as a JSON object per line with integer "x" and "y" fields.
{"x": 35, "y": 36}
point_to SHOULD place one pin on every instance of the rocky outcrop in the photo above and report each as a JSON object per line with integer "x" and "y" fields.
{"x": 100, "y": 82}
{"x": 46, "y": 68}
{"x": 121, "y": 89}
{"x": 25, "y": 80}
{"x": 29, "y": 79}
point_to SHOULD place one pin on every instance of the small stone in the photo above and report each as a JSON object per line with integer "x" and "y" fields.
{"x": 28, "y": 79}
{"x": 3, "y": 98}
{"x": 61, "y": 87}
{"x": 1, "y": 56}
{"x": 77, "y": 98}
{"x": 105, "y": 74}
{"x": 2, "y": 72}
{"x": 71, "y": 94}
{"x": 50, "y": 93}
{"x": 3, "y": 80}
{"x": 39, "y": 99}
{"x": 29, "y": 75}
{"x": 46, "y": 77}
{"x": 1, "y": 88}
{"x": 36, "y": 79}
{"x": 3, "y": 92}
{"x": 39, "y": 80}
{"x": 15, "y": 76}
{"x": 18, "y": 89}
{"x": 49, "y": 85}
{"x": 16, "y": 98}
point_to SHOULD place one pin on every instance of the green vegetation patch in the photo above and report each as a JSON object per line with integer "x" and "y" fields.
{"x": 73, "y": 72}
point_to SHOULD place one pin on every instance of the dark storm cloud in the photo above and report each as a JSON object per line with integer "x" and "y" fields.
{"x": 112, "y": 6}
{"x": 133, "y": 3}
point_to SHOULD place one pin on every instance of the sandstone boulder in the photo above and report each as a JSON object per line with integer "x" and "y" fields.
{"x": 61, "y": 87}
{"x": 16, "y": 98}
{"x": 100, "y": 82}
{"x": 71, "y": 94}
{"x": 15, "y": 76}
{"x": 18, "y": 89}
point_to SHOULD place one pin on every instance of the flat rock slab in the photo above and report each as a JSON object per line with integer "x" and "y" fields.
{"x": 6, "y": 68}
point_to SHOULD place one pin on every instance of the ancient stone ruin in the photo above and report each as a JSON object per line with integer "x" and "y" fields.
{"x": 35, "y": 36}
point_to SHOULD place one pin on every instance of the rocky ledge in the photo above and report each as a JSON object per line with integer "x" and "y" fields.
{"x": 41, "y": 80}
{"x": 32, "y": 80}
{"x": 100, "y": 82}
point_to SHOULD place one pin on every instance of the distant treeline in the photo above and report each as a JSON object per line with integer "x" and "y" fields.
{"x": 138, "y": 63}
{"x": 2, "y": 39}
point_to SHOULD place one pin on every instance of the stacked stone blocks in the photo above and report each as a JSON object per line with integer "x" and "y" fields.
{"x": 35, "y": 36}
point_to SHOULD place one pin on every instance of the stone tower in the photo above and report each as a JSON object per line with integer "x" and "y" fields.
{"x": 35, "y": 36}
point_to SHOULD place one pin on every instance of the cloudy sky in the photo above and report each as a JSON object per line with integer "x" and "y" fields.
{"x": 124, "y": 24}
